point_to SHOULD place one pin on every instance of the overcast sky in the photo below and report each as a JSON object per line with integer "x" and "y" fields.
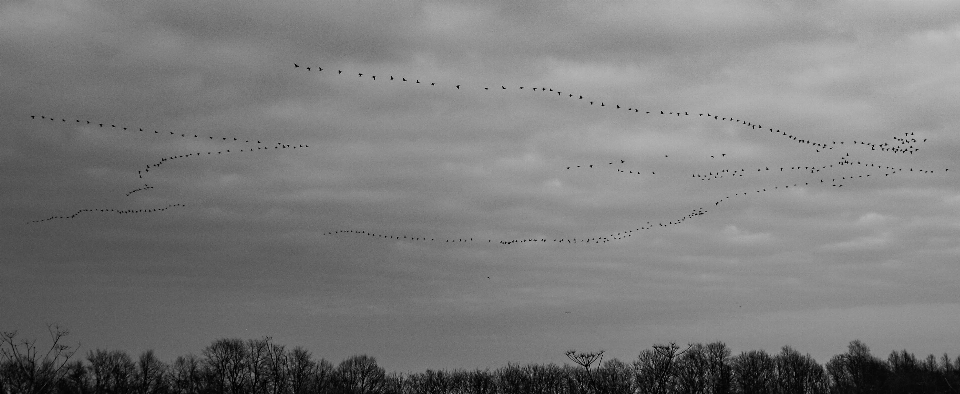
{"x": 676, "y": 252}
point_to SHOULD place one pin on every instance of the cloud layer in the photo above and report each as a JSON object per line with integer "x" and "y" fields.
{"x": 696, "y": 234}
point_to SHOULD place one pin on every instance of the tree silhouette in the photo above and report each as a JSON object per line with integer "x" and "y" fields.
{"x": 585, "y": 360}
{"x": 799, "y": 374}
{"x": 360, "y": 375}
{"x": 260, "y": 366}
{"x": 226, "y": 359}
{"x": 753, "y": 372}
{"x": 112, "y": 371}
{"x": 24, "y": 370}
{"x": 857, "y": 371}
{"x": 655, "y": 370}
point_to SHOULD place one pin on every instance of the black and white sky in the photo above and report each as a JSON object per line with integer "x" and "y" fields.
{"x": 329, "y": 228}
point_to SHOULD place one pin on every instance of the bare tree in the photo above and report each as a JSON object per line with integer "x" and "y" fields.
{"x": 753, "y": 372}
{"x": 24, "y": 370}
{"x": 76, "y": 379}
{"x": 361, "y": 375}
{"x": 151, "y": 374}
{"x": 482, "y": 382}
{"x": 798, "y": 374}
{"x": 226, "y": 359}
{"x": 513, "y": 379}
{"x": 857, "y": 371}
{"x": 304, "y": 372}
{"x": 187, "y": 375}
{"x": 324, "y": 377}
{"x": 113, "y": 371}
{"x": 613, "y": 377}
{"x": 655, "y": 370}
{"x": 718, "y": 360}
{"x": 278, "y": 369}
{"x": 256, "y": 365}
{"x": 692, "y": 370}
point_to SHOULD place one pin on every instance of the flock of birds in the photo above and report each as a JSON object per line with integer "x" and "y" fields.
{"x": 118, "y": 211}
{"x": 257, "y": 146}
{"x": 903, "y": 145}
{"x": 908, "y": 144}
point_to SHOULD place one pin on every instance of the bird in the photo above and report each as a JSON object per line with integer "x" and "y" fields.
{"x": 295, "y": 65}
{"x": 458, "y": 86}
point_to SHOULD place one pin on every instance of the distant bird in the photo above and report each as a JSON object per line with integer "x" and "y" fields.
{"x": 295, "y": 65}
{"x": 339, "y": 71}
{"x": 359, "y": 74}
{"x": 374, "y": 77}
{"x": 308, "y": 68}
{"x": 458, "y": 86}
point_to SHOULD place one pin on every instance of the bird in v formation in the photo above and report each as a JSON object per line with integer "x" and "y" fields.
{"x": 140, "y": 173}
{"x": 711, "y": 175}
{"x": 883, "y": 147}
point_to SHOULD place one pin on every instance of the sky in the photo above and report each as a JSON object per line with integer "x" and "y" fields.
{"x": 436, "y": 226}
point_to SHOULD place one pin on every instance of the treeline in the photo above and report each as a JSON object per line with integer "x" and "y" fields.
{"x": 262, "y": 366}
